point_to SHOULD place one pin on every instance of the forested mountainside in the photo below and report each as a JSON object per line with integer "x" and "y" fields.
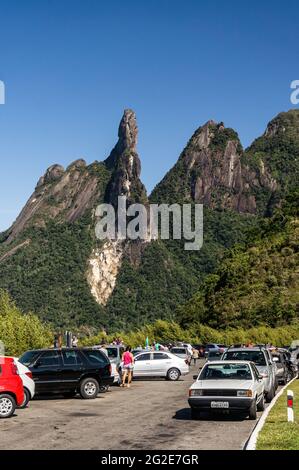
{"x": 52, "y": 263}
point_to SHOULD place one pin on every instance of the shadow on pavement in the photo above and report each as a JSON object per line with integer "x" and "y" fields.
{"x": 185, "y": 415}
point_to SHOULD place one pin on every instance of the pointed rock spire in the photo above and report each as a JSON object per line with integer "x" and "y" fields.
{"x": 127, "y": 137}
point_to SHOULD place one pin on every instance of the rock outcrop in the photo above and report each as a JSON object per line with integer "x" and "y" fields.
{"x": 125, "y": 164}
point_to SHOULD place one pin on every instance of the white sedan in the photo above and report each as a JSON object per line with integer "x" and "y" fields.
{"x": 229, "y": 386}
{"x": 159, "y": 364}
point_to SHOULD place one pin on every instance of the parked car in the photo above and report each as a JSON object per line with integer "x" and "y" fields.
{"x": 286, "y": 369}
{"x": 159, "y": 364}
{"x": 11, "y": 387}
{"x": 213, "y": 356}
{"x": 260, "y": 357}
{"x": 138, "y": 351}
{"x": 181, "y": 352}
{"x": 114, "y": 353}
{"x": 213, "y": 347}
{"x": 227, "y": 386}
{"x": 69, "y": 371}
{"x": 28, "y": 382}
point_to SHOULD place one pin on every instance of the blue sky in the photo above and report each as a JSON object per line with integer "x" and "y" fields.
{"x": 71, "y": 66}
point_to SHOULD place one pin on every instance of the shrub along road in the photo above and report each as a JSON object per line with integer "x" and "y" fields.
{"x": 151, "y": 414}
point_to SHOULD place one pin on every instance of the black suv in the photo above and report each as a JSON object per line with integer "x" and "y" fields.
{"x": 68, "y": 371}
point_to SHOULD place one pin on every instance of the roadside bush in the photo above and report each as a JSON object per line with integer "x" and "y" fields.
{"x": 168, "y": 332}
{"x": 20, "y": 332}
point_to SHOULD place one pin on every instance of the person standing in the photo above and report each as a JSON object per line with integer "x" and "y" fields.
{"x": 128, "y": 365}
{"x": 195, "y": 355}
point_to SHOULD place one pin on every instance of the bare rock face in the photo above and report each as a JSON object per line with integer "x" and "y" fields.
{"x": 213, "y": 171}
{"x": 59, "y": 194}
{"x": 125, "y": 164}
{"x": 103, "y": 267}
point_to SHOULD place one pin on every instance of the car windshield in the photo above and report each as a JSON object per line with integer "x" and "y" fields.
{"x": 257, "y": 357}
{"x": 29, "y": 357}
{"x": 226, "y": 372}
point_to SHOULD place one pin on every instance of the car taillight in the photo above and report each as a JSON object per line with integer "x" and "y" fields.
{"x": 29, "y": 374}
{"x": 14, "y": 369}
{"x": 110, "y": 369}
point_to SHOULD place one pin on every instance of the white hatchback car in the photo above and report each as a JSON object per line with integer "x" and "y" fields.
{"x": 229, "y": 386}
{"x": 28, "y": 383}
{"x": 159, "y": 364}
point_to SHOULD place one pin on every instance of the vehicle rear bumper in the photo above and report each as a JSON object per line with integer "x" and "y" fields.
{"x": 235, "y": 403}
{"x": 107, "y": 380}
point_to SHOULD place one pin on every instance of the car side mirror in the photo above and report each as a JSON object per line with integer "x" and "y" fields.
{"x": 195, "y": 377}
{"x": 260, "y": 377}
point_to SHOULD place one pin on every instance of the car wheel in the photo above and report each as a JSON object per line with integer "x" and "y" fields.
{"x": 7, "y": 406}
{"x": 270, "y": 395}
{"x": 89, "y": 388}
{"x": 252, "y": 410}
{"x": 195, "y": 414}
{"x": 173, "y": 374}
{"x": 27, "y": 398}
{"x": 261, "y": 404}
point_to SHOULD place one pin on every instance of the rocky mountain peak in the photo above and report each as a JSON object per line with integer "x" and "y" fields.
{"x": 125, "y": 164}
{"x": 53, "y": 173}
{"x": 127, "y": 138}
{"x": 128, "y": 130}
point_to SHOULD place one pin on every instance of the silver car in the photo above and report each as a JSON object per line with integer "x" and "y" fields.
{"x": 159, "y": 364}
{"x": 181, "y": 352}
{"x": 265, "y": 366}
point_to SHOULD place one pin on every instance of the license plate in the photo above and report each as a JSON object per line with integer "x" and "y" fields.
{"x": 219, "y": 404}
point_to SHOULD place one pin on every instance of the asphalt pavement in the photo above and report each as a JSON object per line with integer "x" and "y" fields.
{"x": 152, "y": 414}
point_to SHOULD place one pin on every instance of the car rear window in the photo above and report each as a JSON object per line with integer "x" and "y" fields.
{"x": 257, "y": 357}
{"x": 29, "y": 357}
{"x": 96, "y": 357}
{"x": 178, "y": 351}
{"x": 112, "y": 353}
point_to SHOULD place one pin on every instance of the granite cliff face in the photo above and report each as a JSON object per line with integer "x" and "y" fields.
{"x": 125, "y": 164}
{"x": 213, "y": 171}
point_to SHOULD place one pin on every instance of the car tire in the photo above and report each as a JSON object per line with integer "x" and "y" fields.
{"x": 261, "y": 404}
{"x": 27, "y": 398}
{"x": 253, "y": 410}
{"x": 89, "y": 388}
{"x": 103, "y": 388}
{"x": 173, "y": 374}
{"x": 270, "y": 395}
{"x": 7, "y": 406}
{"x": 195, "y": 414}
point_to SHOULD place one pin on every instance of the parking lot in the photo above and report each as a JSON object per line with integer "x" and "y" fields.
{"x": 152, "y": 414}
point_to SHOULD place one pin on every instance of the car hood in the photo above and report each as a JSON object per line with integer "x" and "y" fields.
{"x": 222, "y": 384}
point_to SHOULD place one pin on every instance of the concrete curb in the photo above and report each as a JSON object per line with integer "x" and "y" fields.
{"x": 251, "y": 443}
